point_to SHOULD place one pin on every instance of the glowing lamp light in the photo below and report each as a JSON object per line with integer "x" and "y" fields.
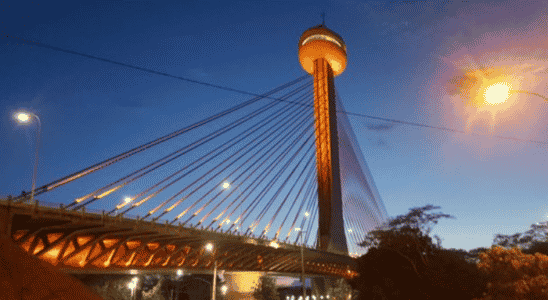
{"x": 306, "y": 214}
{"x": 274, "y": 245}
{"x": 22, "y": 117}
{"x": 209, "y": 247}
{"x": 226, "y": 185}
{"x": 224, "y": 289}
{"x": 127, "y": 199}
{"x": 497, "y": 93}
{"x": 179, "y": 272}
{"x": 133, "y": 283}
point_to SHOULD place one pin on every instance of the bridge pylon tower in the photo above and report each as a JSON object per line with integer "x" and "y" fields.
{"x": 322, "y": 53}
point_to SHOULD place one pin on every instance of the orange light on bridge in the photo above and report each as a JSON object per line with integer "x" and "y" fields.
{"x": 320, "y": 42}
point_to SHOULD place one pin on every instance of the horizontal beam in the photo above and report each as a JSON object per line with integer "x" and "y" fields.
{"x": 84, "y": 242}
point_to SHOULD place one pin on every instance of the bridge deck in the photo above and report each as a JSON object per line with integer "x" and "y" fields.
{"x": 86, "y": 241}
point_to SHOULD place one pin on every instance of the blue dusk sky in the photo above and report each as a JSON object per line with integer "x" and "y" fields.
{"x": 426, "y": 62}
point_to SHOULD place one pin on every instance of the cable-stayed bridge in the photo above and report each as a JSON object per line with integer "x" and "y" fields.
{"x": 258, "y": 181}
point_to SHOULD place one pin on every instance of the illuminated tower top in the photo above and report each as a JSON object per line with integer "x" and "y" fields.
{"x": 320, "y": 42}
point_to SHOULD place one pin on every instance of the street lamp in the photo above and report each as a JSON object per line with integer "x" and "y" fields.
{"x": 499, "y": 92}
{"x": 224, "y": 289}
{"x": 132, "y": 285}
{"x": 24, "y": 117}
{"x": 209, "y": 247}
{"x": 302, "y": 232}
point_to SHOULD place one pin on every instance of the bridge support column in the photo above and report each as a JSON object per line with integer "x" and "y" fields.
{"x": 331, "y": 233}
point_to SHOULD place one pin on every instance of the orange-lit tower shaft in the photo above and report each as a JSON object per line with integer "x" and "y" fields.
{"x": 322, "y": 53}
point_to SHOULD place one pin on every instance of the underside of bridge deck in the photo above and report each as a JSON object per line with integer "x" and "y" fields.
{"x": 79, "y": 241}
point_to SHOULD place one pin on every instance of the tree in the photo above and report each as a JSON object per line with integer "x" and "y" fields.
{"x": 386, "y": 274}
{"x": 450, "y": 272}
{"x": 537, "y": 233}
{"x": 403, "y": 262}
{"x": 340, "y": 290}
{"x": 537, "y": 247}
{"x": 514, "y": 275}
{"x": 266, "y": 289}
{"x": 409, "y": 235}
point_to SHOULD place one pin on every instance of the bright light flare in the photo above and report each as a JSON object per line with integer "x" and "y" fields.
{"x": 274, "y": 245}
{"x": 22, "y": 117}
{"x": 133, "y": 283}
{"x": 209, "y": 247}
{"x": 226, "y": 185}
{"x": 497, "y": 93}
{"x": 127, "y": 199}
{"x": 224, "y": 289}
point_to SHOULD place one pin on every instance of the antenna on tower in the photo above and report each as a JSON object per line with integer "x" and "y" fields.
{"x": 323, "y": 18}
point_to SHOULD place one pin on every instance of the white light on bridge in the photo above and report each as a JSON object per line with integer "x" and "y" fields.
{"x": 306, "y": 214}
{"x": 274, "y": 244}
{"x": 179, "y": 272}
{"x": 127, "y": 199}
{"x": 209, "y": 247}
{"x": 226, "y": 185}
{"x": 224, "y": 289}
{"x": 350, "y": 230}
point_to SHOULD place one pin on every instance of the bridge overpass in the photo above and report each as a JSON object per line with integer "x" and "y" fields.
{"x": 80, "y": 241}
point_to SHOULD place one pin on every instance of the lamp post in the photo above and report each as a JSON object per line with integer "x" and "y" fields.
{"x": 302, "y": 232}
{"x": 23, "y": 117}
{"x": 209, "y": 248}
{"x": 132, "y": 285}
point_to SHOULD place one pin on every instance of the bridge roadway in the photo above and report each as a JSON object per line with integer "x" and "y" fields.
{"x": 90, "y": 242}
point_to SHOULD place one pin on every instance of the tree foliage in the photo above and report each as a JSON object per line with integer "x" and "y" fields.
{"x": 403, "y": 262}
{"x": 409, "y": 235}
{"x": 514, "y": 275}
{"x": 266, "y": 289}
{"x": 340, "y": 290}
{"x": 537, "y": 233}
